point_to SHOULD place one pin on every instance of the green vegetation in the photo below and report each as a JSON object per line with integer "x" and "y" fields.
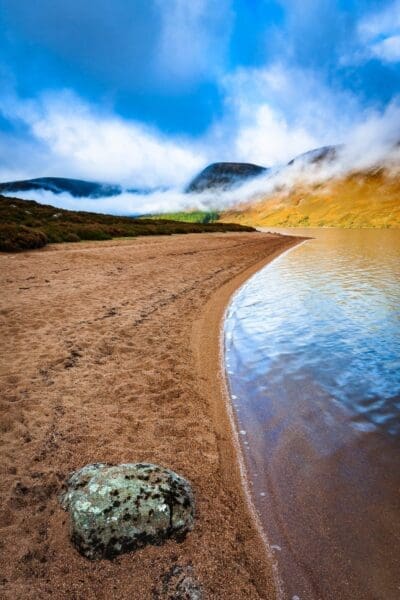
{"x": 25, "y": 224}
{"x": 193, "y": 216}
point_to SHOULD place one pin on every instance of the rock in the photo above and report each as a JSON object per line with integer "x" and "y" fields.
{"x": 179, "y": 583}
{"x": 118, "y": 508}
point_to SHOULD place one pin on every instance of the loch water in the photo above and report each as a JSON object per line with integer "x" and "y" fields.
{"x": 312, "y": 350}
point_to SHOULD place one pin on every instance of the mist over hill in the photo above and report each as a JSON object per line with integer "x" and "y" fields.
{"x": 337, "y": 185}
{"x": 369, "y": 198}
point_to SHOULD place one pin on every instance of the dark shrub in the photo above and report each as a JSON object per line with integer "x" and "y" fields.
{"x": 92, "y": 232}
{"x": 14, "y": 238}
{"x": 71, "y": 237}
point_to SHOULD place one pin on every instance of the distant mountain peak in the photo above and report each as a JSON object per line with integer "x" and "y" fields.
{"x": 317, "y": 155}
{"x": 224, "y": 175}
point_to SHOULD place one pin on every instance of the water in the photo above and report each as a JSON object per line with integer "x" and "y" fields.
{"x": 312, "y": 347}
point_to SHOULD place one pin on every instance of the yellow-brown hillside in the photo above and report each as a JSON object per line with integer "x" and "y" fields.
{"x": 358, "y": 200}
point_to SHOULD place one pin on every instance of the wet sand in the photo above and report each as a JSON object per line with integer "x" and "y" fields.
{"x": 110, "y": 352}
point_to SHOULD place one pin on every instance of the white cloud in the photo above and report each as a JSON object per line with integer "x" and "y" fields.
{"x": 381, "y": 22}
{"x": 123, "y": 204}
{"x": 77, "y": 141}
{"x": 276, "y": 113}
{"x": 193, "y": 39}
{"x": 374, "y": 140}
{"x": 379, "y": 34}
{"x": 388, "y": 49}
{"x": 268, "y": 138}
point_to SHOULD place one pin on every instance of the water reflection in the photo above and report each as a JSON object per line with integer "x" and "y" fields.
{"x": 329, "y": 311}
{"x": 313, "y": 345}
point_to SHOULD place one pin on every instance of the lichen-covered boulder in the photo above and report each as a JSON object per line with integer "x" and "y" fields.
{"x": 118, "y": 508}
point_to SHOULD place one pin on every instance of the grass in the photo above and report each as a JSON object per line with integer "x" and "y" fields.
{"x": 193, "y": 216}
{"x": 367, "y": 199}
{"x": 25, "y": 225}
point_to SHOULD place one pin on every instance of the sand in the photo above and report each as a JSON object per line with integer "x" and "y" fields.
{"x": 111, "y": 352}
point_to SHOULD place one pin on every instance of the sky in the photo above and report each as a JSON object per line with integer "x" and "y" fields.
{"x": 146, "y": 93}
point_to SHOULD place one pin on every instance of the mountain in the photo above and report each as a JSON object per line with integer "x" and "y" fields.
{"x": 59, "y": 185}
{"x": 325, "y": 154}
{"x": 369, "y": 198}
{"x": 75, "y": 187}
{"x": 224, "y": 175}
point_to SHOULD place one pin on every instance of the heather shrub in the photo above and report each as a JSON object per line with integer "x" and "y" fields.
{"x": 14, "y": 238}
{"x": 25, "y": 224}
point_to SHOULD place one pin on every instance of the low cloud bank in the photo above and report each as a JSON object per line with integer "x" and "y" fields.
{"x": 73, "y": 139}
{"x": 126, "y": 203}
{"x": 271, "y": 116}
{"x": 367, "y": 152}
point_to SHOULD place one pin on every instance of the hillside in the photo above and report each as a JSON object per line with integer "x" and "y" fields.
{"x": 366, "y": 199}
{"x": 189, "y": 216}
{"x": 224, "y": 175}
{"x": 25, "y": 224}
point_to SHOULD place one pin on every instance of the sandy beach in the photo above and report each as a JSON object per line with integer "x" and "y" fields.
{"x": 111, "y": 353}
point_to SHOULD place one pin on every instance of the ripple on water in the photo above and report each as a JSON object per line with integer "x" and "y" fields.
{"x": 328, "y": 311}
{"x": 314, "y": 370}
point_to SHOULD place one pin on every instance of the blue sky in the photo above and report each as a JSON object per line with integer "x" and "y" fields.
{"x": 146, "y": 92}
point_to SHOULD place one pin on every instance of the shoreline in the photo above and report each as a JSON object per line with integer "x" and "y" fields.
{"x": 116, "y": 358}
{"x": 315, "y": 446}
{"x": 212, "y": 366}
